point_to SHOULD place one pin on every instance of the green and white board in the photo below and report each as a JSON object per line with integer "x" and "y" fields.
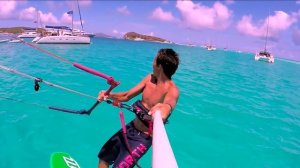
{"x": 62, "y": 160}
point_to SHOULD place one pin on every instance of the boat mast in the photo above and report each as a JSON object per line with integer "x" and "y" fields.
{"x": 80, "y": 15}
{"x": 37, "y": 20}
{"x": 72, "y": 23}
{"x": 267, "y": 32}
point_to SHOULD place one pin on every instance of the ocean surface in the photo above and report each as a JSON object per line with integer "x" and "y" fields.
{"x": 232, "y": 110}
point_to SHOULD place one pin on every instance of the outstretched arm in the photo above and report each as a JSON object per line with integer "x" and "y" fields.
{"x": 125, "y": 96}
{"x": 168, "y": 104}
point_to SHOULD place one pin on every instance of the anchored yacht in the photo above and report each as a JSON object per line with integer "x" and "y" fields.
{"x": 61, "y": 35}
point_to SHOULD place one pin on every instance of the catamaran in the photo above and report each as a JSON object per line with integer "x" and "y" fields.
{"x": 210, "y": 48}
{"x": 265, "y": 55}
{"x": 63, "y": 34}
{"x": 28, "y": 34}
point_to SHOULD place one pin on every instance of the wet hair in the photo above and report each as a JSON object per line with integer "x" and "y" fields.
{"x": 169, "y": 61}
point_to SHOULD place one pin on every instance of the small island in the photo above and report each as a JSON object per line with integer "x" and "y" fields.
{"x": 139, "y": 37}
{"x": 19, "y": 30}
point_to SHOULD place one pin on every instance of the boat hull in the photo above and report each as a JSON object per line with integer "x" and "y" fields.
{"x": 211, "y": 49}
{"x": 64, "y": 40}
{"x": 4, "y": 41}
{"x": 28, "y": 35}
{"x": 259, "y": 57}
{"x": 36, "y": 39}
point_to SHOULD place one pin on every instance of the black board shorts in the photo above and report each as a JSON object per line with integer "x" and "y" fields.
{"x": 115, "y": 151}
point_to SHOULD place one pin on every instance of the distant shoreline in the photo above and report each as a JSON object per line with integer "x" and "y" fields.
{"x": 18, "y": 30}
{"x": 128, "y": 36}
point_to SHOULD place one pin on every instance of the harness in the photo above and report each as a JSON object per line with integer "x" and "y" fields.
{"x": 141, "y": 112}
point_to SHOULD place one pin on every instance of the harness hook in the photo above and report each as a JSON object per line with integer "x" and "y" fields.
{"x": 36, "y": 84}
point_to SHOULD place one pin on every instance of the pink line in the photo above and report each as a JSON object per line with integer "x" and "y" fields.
{"x": 44, "y": 51}
{"x": 92, "y": 71}
{"x": 122, "y": 122}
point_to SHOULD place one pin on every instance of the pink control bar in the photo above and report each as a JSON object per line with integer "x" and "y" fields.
{"x": 110, "y": 80}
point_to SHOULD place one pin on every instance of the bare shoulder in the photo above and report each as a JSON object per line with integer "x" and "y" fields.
{"x": 173, "y": 89}
{"x": 146, "y": 78}
{"x": 172, "y": 96}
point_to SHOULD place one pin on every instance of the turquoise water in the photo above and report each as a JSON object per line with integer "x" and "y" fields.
{"x": 232, "y": 111}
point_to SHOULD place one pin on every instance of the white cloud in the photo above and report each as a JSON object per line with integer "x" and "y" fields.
{"x": 123, "y": 10}
{"x": 198, "y": 16}
{"x": 66, "y": 18}
{"x": 47, "y": 18}
{"x": 159, "y": 14}
{"x": 277, "y": 23}
{"x": 7, "y": 8}
{"x": 8, "y": 11}
{"x": 151, "y": 34}
{"x": 115, "y": 31}
{"x": 28, "y": 14}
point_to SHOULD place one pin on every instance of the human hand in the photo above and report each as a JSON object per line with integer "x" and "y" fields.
{"x": 102, "y": 96}
{"x": 155, "y": 108}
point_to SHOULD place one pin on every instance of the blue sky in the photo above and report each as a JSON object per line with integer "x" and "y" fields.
{"x": 237, "y": 25}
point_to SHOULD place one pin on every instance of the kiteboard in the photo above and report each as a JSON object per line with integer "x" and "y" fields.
{"x": 62, "y": 160}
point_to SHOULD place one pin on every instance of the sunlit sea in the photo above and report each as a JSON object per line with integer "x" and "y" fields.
{"x": 232, "y": 111}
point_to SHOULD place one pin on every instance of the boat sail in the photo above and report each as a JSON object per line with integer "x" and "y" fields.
{"x": 265, "y": 55}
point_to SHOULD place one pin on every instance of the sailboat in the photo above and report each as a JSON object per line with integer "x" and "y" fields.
{"x": 30, "y": 32}
{"x": 210, "y": 47}
{"x": 63, "y": 34}
{"x": 265, "y": 55}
